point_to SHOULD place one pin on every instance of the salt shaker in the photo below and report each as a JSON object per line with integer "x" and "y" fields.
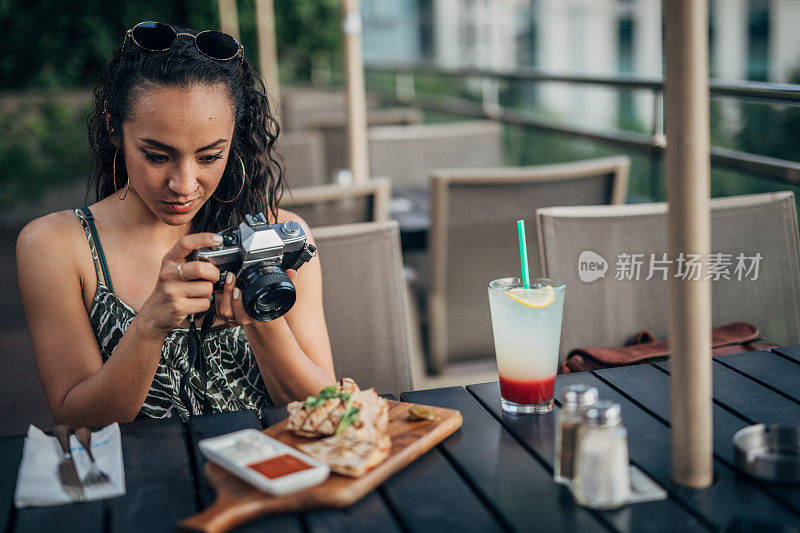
{"x": 602, "y": 478}
{"x": 574, "y": 400}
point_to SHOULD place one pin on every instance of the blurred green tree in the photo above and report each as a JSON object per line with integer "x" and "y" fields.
{"x": 43, "y": 144}
{"x": 309, "y": 36}
{"x": 56, "y": 44}
{"x": 54, "y": 47}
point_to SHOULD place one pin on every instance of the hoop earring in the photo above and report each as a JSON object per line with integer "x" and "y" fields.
{"x": 114, "y": 177}
{"x": 244, "y": 177}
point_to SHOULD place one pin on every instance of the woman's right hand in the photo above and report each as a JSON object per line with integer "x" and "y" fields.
{"x": 183, "y": 287}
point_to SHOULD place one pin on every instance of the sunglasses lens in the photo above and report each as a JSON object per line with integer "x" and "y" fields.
{"x": 217, "y": 45}
{"x": 153, "y": 36}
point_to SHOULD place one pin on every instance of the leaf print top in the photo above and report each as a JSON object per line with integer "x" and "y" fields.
{"x": 233, "y": 383}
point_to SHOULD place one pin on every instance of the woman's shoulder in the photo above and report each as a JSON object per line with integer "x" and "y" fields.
{"x": 284, "y": 215}
{"x": 53, "y": 236}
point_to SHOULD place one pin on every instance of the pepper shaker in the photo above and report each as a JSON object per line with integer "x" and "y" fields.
{"x": 574, "y": 401}
{"x": 602, "y": 477}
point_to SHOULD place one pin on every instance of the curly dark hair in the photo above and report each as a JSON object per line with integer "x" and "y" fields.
{"x": 133, "y": 70}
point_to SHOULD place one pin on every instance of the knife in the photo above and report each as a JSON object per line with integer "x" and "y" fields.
{"x": 67, "y": 474}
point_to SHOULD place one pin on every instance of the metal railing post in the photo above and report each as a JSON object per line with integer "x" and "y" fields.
{"x": 659, "y": 142}
{"x": 490, "y": 92}
{"x": 651, "y": 143}
{"x": 404, "y": 86}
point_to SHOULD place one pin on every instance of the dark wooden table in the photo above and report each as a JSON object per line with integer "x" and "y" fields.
{"x": 494, "y": 474}
{"x": 410, "y": 207}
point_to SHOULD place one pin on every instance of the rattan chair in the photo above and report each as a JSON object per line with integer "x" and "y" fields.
{"x": 366, "y": 306}
{"x": 334, "y": 133}
{"x": 608, "y": 312}
{"x": 304, "y": 107}
{"x": 303, "y": 158}
{"x": 407, "y": 154}
{"x": 301, "y": 106}
{"x": 473, "y": 240}
{"x": 328, "y": 205}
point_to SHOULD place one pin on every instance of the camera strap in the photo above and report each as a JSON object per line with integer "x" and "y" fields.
{"x": 309, "y": 252}
{"x": 196, "y": 353}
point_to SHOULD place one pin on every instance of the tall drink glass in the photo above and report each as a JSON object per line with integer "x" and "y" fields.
{"x": 527, "y": 332}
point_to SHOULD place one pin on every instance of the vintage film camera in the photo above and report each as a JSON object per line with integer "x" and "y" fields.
{"x": 259, "y": 254}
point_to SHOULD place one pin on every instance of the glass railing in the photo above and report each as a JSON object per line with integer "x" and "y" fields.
{"x": 753, "y": 124}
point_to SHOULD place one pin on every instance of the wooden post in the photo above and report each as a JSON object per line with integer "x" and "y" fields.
{"x": 687, "y": 168}
{"x": 229, "y": 18}
{"x": 268, "y": 52}
{"x": 356, "y": 96}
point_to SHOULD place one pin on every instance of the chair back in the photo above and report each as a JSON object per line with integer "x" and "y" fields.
{"x": 334, "y": 133}
{"x": 365, "y": 304}
{"x": 300, "y": 106}
{"x": 610, "y": 310}
{"x": 407, "y": 154}
{"x": 330, "y": 205}
{"x": 473, "y": 239}
{"x": 303, "y": 158}
{"x": 303, "y": 107}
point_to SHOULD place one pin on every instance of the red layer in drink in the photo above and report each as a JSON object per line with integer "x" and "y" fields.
{"x": 527, "y": 391}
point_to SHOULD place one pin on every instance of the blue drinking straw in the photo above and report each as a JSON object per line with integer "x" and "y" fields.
{"x": 523, "y": 253}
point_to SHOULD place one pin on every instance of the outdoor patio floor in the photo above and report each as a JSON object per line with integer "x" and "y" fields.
{"x": 22, "y": 401}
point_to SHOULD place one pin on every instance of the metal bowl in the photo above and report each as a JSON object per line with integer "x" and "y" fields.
{"x": 770, "y": 453}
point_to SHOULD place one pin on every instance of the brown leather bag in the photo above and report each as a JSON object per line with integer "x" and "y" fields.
{"x": 730, "y": 338}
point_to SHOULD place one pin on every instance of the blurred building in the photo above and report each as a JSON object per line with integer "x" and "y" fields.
{"x": 577, "y": 37}
{"x": 451, "y": 33}
{"x": 784, "y": 39}
{"x": 392, "y": 31}
{"x": 477, "y": 33}
{"x": 750, "y": 40}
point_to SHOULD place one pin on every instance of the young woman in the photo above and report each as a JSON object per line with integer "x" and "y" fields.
{"x": 183, "y": 141}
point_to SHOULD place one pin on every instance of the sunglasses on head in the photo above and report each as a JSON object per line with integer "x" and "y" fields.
{"x": 158, "y": 37}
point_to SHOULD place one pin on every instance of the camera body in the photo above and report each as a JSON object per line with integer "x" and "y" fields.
{"x": 259, "y": 254}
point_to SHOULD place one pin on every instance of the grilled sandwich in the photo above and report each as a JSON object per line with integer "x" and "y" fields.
{"x": 349, "y": 454}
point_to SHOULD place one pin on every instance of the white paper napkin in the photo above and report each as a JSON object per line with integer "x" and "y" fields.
{"x": 37, "y": 479}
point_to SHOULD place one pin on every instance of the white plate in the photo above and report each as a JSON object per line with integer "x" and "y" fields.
{"x": 235, "y": 451}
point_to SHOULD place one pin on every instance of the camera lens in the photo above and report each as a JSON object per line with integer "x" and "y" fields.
{"x": 267, "y": 291}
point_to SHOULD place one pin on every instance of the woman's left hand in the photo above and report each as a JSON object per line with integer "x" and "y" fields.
{"x": 229, "y": 303}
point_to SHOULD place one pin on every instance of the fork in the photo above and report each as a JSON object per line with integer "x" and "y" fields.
{"x": 95, "y": 475}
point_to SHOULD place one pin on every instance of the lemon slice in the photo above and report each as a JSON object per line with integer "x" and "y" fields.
{"x": 536, "y": 298}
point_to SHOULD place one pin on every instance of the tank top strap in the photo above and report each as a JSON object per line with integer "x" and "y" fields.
{"x": 100, "y": 265}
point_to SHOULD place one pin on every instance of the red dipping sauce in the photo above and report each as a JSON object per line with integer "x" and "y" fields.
{"x": 527, "y": 392}
{"x": 279, "y": 466}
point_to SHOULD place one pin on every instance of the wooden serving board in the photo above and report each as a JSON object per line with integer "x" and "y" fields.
{"x": 237, "y": 502}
